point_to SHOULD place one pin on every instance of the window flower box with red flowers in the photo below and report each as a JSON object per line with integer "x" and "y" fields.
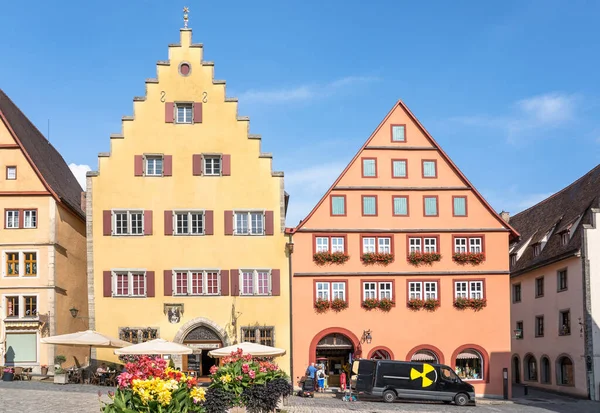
{"x": 473, "y": 258}
{"x": 431, "y": 304}
{"x": 419, "y": 258}
{"x": 415, "y": 304}
{"x": 477, "y": 304}
{"x": 322, "y": 306}
{"x": 385, "y": 304}
{"x": 326, "y": 257}
{"x": 338, "y": 305}
{"x": 370, "y": 303}
{"x": 461, "y": 303}
{"x": 382, "y": 258}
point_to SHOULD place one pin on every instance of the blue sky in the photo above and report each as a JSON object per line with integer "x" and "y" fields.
{"x": 509, "y": 89}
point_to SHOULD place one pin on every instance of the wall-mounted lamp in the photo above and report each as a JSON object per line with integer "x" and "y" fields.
{"x": 290, "y": 247}
{"x": 74, "y": 311}
{"x": 518, "y": 334}
{"x": 366, "y": 337}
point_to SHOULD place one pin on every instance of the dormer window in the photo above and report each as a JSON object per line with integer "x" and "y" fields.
{"x": 537, "y": 248}
{"x": 564, "y": 238}
{"x": 513, "y": 259}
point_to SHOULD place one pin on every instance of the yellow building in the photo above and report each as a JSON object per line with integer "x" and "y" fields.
{"x": 42, "y": 245}
{"x": 186, "y": 221}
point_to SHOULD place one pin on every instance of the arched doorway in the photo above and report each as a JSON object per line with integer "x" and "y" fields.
{"x": 545, "y": 370}
{"x": 516, "y": 370}
{"x": 201, "y": 339}
{"x": 564, "y": 371}
{"x": 334, "y": 352}
{"x": 530, "y": 366}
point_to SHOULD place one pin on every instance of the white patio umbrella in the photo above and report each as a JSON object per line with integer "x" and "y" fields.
{"x": 85, "y": 338}
{"x": 157, "y": 346}
{"x": 248, "y": 348}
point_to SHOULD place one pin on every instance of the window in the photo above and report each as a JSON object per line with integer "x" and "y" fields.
{"x": 24, "y": 348}
{"x": 30, "y": 303}
{"x": 136, "y": 335}
{"x": 12, "y": 218}
{"x": 30, "y": 218}
{"x": 369, "y": 205}
{"x": 564, "y": 323}
{"x": 530, "y": 368}
{"x": 545, "y": 370}
{"x": 129, "y": 284}
{"x": 513, "y": 259}
{"x": 468, "y": 244}
{"x": 255, "y": 282}
{"x": 260, "y": 335}
{"x": 469, "y": 289}
{"x": 212, "y": 165}
{"x": 30, "y": 264}
{"x": 564, "y": 371}
{"x": 12, "y": 264}
{"x": 249, "y": 223}
{"x": 398, "y": 133}
{"x": 369, "y": 167}
{"x": 460, "y": 245}
{"x": 20, "y": 263}
{"x": 154, "y": 165}
{"x": 564, "y": 238}
{"x": 338, "y": 205}
{"x": 539, "y": 287}
{"x": 322, "y": 244}
{"x": 189, "y": 223}
{"x": 537, "y": 248}
{"x": 517, "y": 293}
{"x": 430, "y": 169}
{"x": 519, "y": 333}
{"x": 539, "y": 326}
{"x": 128, "y": 223}
{"x": 197, "y": 282}
{"x": 430, "y": 204}
{"x": 414, "y": 244}
{"x": 12, "y": 306}
{"x": 331, "y": 290}
{"x": 423, "y": 290}
{"x": 399, "y": 168}
{"x": 11, "y": 173}
{"x": 562, "y": 280}
{"x": 425, "y": 244}
{"x": 400, "y": 205}
{"x": 429, "y": 244}
{"x": 459, "y": 206}
{"x": 469, "y": 365}
{"x": 184, "y": 112}
{"x": 369, "y": 290}
{"x": 378, "y": 290}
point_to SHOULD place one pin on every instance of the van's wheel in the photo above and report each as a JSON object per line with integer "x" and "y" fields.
{"x": 461, "y": 399}
{"x": 389, "y": 396}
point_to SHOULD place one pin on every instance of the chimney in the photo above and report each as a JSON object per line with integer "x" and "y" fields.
{"x": 83, "y": 201}
{"x": 505, "y": 216}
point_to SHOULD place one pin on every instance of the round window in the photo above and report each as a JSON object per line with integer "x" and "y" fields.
{"x": 185, "y": 69}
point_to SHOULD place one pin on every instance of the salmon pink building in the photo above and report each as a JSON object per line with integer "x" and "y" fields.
{"x": 403, "y": 259}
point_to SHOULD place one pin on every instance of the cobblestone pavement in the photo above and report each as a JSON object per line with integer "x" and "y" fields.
{"x": 47, "y": 397}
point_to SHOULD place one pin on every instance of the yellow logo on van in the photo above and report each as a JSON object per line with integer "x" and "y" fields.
{"x": 426, "y": 375}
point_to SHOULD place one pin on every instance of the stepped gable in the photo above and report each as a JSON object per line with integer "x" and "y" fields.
{"x": 47, "y": 162}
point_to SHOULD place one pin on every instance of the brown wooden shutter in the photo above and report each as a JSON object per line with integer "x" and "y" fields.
{"x": 168, "y": 222}
{"x": 275, "y": 282}
{"x": 167, "y": 165}
{"x": 228, "y": 222}
{"x": 208, "y": 223}
{"x": 21, "y": 218}
{"x": 107, "y": 222}
{"x": 168, "y": 281}
{"x": 224, "y": 282}
{"x": 226, "y": 171}
{"x": 147, "y": 222}
{"x": 150, "y": 284}
{"x": 138, "y": 165}
{"x": 197, "y": 112}
{"x": 235, "y": 282}
{"x": 197, "y": 164}
{"x": 269, "y": 223}
{"x": 169, "y": 112}
{"x": 107, "y": 283}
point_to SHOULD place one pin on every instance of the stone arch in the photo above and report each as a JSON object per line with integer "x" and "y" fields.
{"x": 564, "y": 368}
{"x": 386, "y": 349}
{"x": 516, "y": 368}
{"x": 484, "y": 356}
{"x": 438, "y": 353}
{"x": 312, "y": 351}
{"x": 545, "y": 370}
{"x": 530, "y": 368}
{"x": 198, "y": 322}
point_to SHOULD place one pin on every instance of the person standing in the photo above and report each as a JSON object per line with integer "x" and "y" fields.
{"x": 311, "y": 372}
{"x": 321, "y": 379}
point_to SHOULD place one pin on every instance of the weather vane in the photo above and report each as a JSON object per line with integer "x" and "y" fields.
{"x": 185, "y": 17}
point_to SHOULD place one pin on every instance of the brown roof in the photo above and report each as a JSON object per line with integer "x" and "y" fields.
{"x": 558, "y": 213}
{"x": 44, "y": 158}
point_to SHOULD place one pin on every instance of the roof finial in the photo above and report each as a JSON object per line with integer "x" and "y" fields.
{"x": 185, "y": 17}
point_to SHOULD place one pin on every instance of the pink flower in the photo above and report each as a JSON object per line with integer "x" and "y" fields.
{"x": 239, "y": 378}
{"x": 213, "y": 369}
{"x": 245, "y": 368}
{"x": 262, "y": 370}
{"x": 124, "y": 380}
{"x": 252, "y": 374}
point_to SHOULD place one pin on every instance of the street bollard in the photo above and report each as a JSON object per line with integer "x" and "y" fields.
{"x": 505, "y": 383}
{"x": 525, "y": 389}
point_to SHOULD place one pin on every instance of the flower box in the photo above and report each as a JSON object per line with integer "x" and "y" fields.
{"x": 431, "y": 304}
{"x": 338, "y": 305}
{"x": 473, "y": 258}
{"x": 385, "y": 304}
{"x": 423, "y": 258}
{"x": 322, "y": 306}
{"x": 370, "y": 303}
{"x": 326, "y": 257}
{"x": 415, "y": 304}
{"x": 477, "y": 304}
{"x": 60, "y": 378}
{"x": 381, "y": 258}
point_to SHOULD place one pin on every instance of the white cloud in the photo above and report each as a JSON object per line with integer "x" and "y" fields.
{"x": 79, "y": 171}
{"x": 303, "y": 92}
{"x": 550, "y": 108}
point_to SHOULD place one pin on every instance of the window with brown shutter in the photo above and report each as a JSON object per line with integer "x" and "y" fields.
{"x": 169, "y": 112}
{"x": 275, "y": 282}
{"x": 168, "y": 222}
{"x": 224, "y": 282}
{"x": 208, "y": 222}
{"x": 147, "y": 222}
{"x": 228, "y": 222}
{"x": 150, "y": 290}
{"x": 168, "y": 282}
{"x": 197, "y": 112}
{"x": 197, "y": 164}
{"x": 269, "y": 227}
{"x": 107, "y": 283}
{"x": 235, "y": 282}
{"x": 226, "y": 168}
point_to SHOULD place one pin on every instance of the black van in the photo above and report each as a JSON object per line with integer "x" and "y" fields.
{"x": 409, "y": 380}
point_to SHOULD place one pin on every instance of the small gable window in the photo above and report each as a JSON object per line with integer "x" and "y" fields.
{"x": 398, "y": 133}
{"x": 537, "y": 248}
{"x": 369, "y": 205}
{"x": 431, "y": 209}
{"x": 399, "y": 168}
{"x": 513, "y": 259}
{"x": 430, "y": 169}
{"x": 338, "y": 205}
{"x": 11, "y": 173}
{"x": 400, "y": 205}
{"x": 154, "y": 165}
{"x": 369, "y": 167}
{"x": 184, "y": 112}
{"x": 459, "y": 206}
{"x": 564, "y": 238}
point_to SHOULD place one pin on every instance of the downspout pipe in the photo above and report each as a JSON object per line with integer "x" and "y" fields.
{"x": 289, "y": 251}
{"x": 587, "y": 309}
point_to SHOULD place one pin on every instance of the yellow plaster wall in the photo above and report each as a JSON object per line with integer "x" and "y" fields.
{"x": 250, "y": 186}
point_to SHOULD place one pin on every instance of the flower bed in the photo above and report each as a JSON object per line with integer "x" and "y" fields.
{"x": 326, "y": 257}
{"x": 473, "y": 258}
{"x": 477, "y": 304}
{"x": 381, "y": 258}
{"x": 420, "y": 258}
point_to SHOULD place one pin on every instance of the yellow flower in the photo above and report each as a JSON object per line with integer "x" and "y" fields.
{"x": 226, "y": 378}
{"x": 198, "y": 394}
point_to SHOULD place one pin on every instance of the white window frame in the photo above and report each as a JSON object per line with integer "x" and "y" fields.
{"x": 321, "y": 246}
{"x": 384, "y": 247}
{"x": 369, "y": 245}
{"x": 129, "y": 213}
{"x": 338, "y": 244}
{"x": 154, "y": 158}
{"x": 476, "y": 292}
{"x": 255, "y": 282}
{"x": 370, "y": 292}
{"x": 21, "y": 314}
{"x": 467, "y": 289}
{"x": 21, "y": 263}
{"x": 382, "y": 287}
{"x": 461, "y": 289}
{"x": 212, "y": 158}
{"x": 415, "y": 244}
{"x": 338, "y": 290}
{"x": 423, "y": 290}
{"x": 32, "y": 217}
{"x": 322, "y": 291}
{"x": 429, "y": 243}
{"x": 460, "y": 245}
{"x": 430, "y": 290}
{"x": 130, "y": 273}
{"x": 189, "y": 213}
{"x": 184, "y": 105}
{"x": 11, "y": 173}
{"x": 249, "y": 214}
{"x": 205, "y": 272}
{"x": 12, "y": 218}
{"x": 475, "y": 244}
{"x": 415, "y": 290}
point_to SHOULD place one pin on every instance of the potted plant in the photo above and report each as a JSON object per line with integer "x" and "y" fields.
{"x": 321, "y": 306}
{"x": 415, "y": 304}
{"x": 426, "y": 258}
{"x": 370, "y": 303}
{"x": 385, "y": 304}
{"x": 382, "y": 258}
{"x": 431, "y": 304}
{"x": 8, "y": 374}
{"x": 60, "y": 375}
{"x": 326, "y": 257}
{"x": 44, "y": 369}
{"x": 338, "y": 305}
